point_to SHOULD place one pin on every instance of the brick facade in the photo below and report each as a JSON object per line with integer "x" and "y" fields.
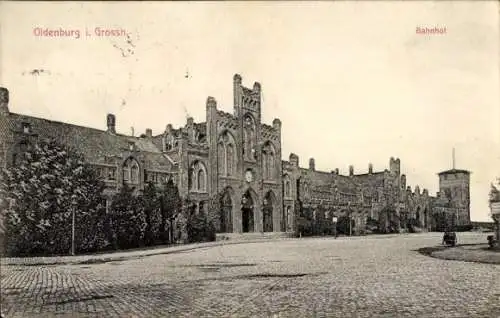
{"x": 235, "y": 155}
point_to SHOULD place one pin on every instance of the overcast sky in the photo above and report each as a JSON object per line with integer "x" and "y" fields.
{"x": 352, "y": 82}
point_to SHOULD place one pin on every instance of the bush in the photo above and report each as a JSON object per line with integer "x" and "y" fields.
{"x": 343, "y": 225}
{"x": 40, "y": 192}
{"x": 199, "y": 229}
{"x": 304, "y": 227}
{"x": 128, "y": 219}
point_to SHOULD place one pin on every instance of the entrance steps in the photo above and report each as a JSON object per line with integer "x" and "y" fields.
{"x": 253, "y": 236}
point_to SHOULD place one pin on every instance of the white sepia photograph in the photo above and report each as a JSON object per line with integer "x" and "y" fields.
{"x": 250, "y": 159}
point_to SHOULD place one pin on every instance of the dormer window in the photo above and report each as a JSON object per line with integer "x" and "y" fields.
{"x": 131, "y": 146}
{"x": 26, "y": 128}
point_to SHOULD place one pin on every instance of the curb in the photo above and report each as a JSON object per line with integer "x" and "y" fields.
{"x": 106, "y": 258}
{"x": 439, "y": 252}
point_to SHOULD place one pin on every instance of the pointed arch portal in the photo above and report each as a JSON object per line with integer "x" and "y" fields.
{"x": 247, "y": 212}
{"x": 268, "y": 208}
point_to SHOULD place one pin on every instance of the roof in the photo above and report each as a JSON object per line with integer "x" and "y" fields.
{"x": 453, "y": 171}
{"x": 94, "y": 144}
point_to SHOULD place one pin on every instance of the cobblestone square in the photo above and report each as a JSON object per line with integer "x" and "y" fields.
{"x": 313, "y": 277}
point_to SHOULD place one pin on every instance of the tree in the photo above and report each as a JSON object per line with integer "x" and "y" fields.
{"x": 388, "y": 220}
{"x": 305, "y": 221}
{"x": 215, "y": 211}
{"x": 128, "y": 218}
{"x": 170, "y": 206}
{"x": 343, "y": 225}
{"x": 198, "y": 226}
{"x": 494, "y": 197}
{"x": 151, "y": 204}
{"x": 39, "y": 193}
{"x": 439, "y": 221}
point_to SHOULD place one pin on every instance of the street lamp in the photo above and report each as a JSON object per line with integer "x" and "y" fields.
{"x": 334, "y": 220}
{"x": 73, "y": 212}
{"x": 350, "y": 220}
{"x": 74, "y": 204}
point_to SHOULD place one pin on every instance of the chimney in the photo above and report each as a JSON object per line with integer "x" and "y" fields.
{"x": 370, "y": 168}
{"x": 351, "y": 170}
{"x": 4, "y": 101}
{"x": 336, "y": 170}
{"x": 312, "y": 166}
{"x": 277, "y": 124}
{"x": 111, "y": 123}
{"x": 149, "y": 133}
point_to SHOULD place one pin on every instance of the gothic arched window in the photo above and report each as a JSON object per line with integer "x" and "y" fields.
{"x": 230, "y": 159}
{"x": 269, "y": 161}
{"x": 226, "y": 154}
{"x": 221, "y": 157}
{"x": 271, "y": 167}
{"x": 131, "y": 171}
{"x": 201, "y": 180}
{"x": 288, "y": 192}
{"x": 198, "y": 177}
{"x": 248, "y": 137}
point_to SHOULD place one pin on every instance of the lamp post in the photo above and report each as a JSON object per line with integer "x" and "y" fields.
{"x": 350, "y": 220}
{"x": 73, "y": 212}
{"x": 74, "y": 204}
{"x": 334, "y": 220}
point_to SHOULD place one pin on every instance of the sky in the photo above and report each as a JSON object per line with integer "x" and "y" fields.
{"x": 352, "y": 82}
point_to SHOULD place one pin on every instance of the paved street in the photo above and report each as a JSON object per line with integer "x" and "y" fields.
{"x": 311, "y": 277}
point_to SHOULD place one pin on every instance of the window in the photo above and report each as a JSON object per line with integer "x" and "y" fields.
{"x": 131, "y": 171}
{"x": 248, "y": 137}
{"x": 288, "y": 191}
{"x": 126, "y": 173}
{"x": 198, "y": 177}
{"x": 229, "y": 159}
{"x": 268, "y": 161}
{"x": 226, "y": 154}
{"x": 271, "y": 166}
{"x": 26, "y": 128}
{"x": 111, "y": 173}
{"x": 134, "y": 175}
{"x": 201, "y": 180}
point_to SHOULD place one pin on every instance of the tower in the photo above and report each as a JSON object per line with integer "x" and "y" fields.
{"x": 455, "y": 186}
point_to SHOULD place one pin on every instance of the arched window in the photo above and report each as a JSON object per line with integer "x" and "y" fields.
{"x": 248, "y": 137}
{"x": 226, "y": 154}
{"x": 271, "y": 167}
{"x": 134, "y": 173}
{"x": 198, "y": 177}
{"x": 230, "y": 159}
{"x": 288, "y": 191}
{"x": 265, "y": 161}
{"x": 201, "y": 180}
{"x": 221, "y": 157}
{"x": 268, "y": 161}
{"x": 131, "y": 171}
